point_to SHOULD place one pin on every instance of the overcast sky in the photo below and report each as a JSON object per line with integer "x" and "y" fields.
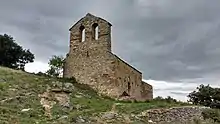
{"x": 175, "y": 43}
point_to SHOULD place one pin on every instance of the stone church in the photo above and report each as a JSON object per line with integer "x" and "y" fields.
{"x": 91, "y": 61}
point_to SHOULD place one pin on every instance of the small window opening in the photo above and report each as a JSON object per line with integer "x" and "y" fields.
{"x": 87, "y": 53}
{"x": 129, "y": 86}
{"x": 95, "y": 31}
{"x": 82, "y": 34}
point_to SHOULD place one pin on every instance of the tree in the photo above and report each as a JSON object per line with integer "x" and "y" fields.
{"x": 56, "y": 66}
{"x": 12, "y": 55}
{"x": 205, "y": 95}
{"x": 168, "y": 99}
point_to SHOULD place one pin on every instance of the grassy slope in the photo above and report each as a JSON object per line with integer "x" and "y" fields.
{"x": 19, "y": 90}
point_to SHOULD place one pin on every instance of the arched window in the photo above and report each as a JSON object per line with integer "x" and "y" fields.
{"x": 82, "y": 33}
{"x": 95, "y": 31}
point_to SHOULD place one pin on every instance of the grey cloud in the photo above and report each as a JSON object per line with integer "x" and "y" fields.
{"x": 179, "y": 93}
{"x": 167, "y": 40}
{"x": 185, "y": 37}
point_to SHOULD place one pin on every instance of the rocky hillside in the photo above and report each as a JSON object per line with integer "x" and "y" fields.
{"x": 30, "y": 99}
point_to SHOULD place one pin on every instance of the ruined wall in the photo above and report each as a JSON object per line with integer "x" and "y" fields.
{"x": 128, "y": 79}
{"x": 92, "y": 67}
{"x": 146, "y": 91}
{"x": 107, "y": 73}
{"x": 180, "y": 115}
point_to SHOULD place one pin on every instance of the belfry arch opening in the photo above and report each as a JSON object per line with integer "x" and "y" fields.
{"x": 82, "y": 33}
{"x": 95, "y": 31}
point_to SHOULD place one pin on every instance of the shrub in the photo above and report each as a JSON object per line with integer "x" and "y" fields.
{"x": 169, "y": 99}
{"x": 213, "y": 114}
{"x": 206, "y": 96}
{"x": 56, "y": 64}
{"x": 13, "y": 55}
{"x": 42, "y": 74}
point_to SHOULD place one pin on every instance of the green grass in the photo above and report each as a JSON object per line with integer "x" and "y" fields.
{"x": 19, "y": 90}
{"x": 138, "y": 107}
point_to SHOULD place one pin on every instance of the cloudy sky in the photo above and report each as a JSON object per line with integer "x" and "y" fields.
{"x": 175, "y": 43}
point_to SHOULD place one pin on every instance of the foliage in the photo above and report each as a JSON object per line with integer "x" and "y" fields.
{"x": 168, "y": 99}
{"x": 56, "y": 64}
{"x": 213, "y": 114}
{"x": 41, "y": 74}
{"x": 206, "y": 95}
{"x": 12, "y": 55}
{"x": 71, "y": 80}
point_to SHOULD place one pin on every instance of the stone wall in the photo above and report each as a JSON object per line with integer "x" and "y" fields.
{"x": 104, "y": 33}
{"x": 106, "y": 73}
{"x": 176, "y": 114}
{"x": 146, "y": 91}
{"x": 92, "y": 67}
{"x": 129, "y": 80}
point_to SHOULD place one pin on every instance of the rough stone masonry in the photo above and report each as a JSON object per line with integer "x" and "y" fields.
{"x": 91, "y": 61}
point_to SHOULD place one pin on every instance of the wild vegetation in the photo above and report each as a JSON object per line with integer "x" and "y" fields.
{"x": 210, "y": 97}
{"x": 206, "y": 95}
{"x": 13, "y": 55}
{"x": 56, "y": 64}
{"x": 19, "y": 91}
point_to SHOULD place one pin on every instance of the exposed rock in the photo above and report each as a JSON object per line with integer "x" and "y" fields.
{"x": 78, "y": 96}
{"x": 78, "y": 107}
{"x": 57, "y": 84}
{"x": 63, "y": 117}
{"x": 47, "y": 102}
{"x": 68, "y": 87}
{"x": 61, "y": 87}
{"x": 12, "y": 89}
{"x": 109, "y": 115}
{"x": 150, "y": 121}
{"x": 50, "y": 98}
{"x": 63, "y": 99}
{"x": 25, "y": 110}
{"x": 173, "y": 114}
{"x": 2, "y": 80}
{"x": 127, "y": 98}
{"x": 80, "y": 119}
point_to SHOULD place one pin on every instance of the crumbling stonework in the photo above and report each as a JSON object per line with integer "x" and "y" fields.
{"x": 57, "y": 93}
{"x": 172, "y": 115}
{"x": 91, "y": 62}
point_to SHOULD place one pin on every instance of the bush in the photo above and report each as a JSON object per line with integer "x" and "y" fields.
{"x": 213, "y": 114}
{"x": 169, "y": 99}
{"x": 42, "y": 74}
{"x": 206, "y": 96}
{"x": 56, "y": 64}
{"x": 13, "y": 55}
